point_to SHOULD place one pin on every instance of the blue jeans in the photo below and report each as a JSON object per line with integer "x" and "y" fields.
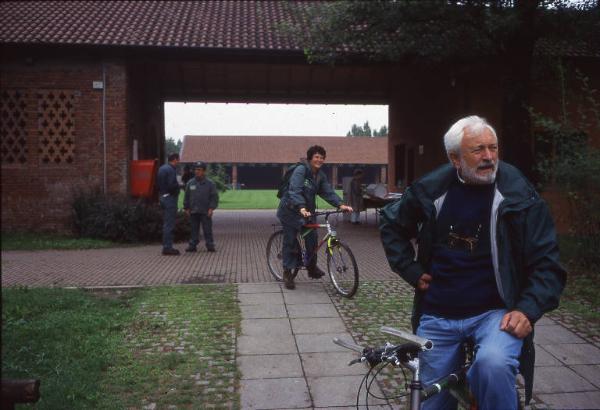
{"x": 492, "y": 375}
{"x": 195, "y": 221}
{"x": 169, "y": 206}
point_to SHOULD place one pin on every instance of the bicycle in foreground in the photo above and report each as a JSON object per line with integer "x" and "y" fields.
{"x": 405, "y": 356}
{"x": 341, "y": 264}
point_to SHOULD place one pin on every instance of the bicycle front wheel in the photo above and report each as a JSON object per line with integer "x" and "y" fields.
{"x": 342, "y": 269}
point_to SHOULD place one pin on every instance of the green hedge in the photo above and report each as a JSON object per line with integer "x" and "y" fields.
{"x": 122, "y": 219}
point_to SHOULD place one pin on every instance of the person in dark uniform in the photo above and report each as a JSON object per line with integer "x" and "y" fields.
{"x": 200, "y": 200}
{"x": 299, "y": 202}
{"x": 168, "y": 194}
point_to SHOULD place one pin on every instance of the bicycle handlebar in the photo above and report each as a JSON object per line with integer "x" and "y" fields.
{"x": 348, "y": 345}
{"x": 425, "y": 344}
{"x": 326, "y": 213}
{"x": 387, "y": 353}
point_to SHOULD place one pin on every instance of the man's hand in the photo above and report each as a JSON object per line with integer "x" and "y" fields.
{"x": 424, "y": 280}
{"x": 187, "y": 212}
{"x": 210, "y": 212}
{"x": 304, "y": 212}
{"x": 345, "y": 208}
{"x": 516, "y": 323}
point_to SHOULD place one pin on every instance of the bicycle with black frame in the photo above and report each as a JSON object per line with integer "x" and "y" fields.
{"x": 341, "y": 264}
{"x": 406, "y": 356}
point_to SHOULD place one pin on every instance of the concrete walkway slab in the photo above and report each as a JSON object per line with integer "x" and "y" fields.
{"x": 263, "y": 311}
{"x": 555, "y": 379}
{"x": 318, "y": 325}
{"x": 258, "y": 288}
{"x": 260, "y": 299}
{"x": 258, "y": 327}
{"x": 544, "y": 358}
{"x": 589, "y": 372}
{"x": 331, "y": 364}
{"x": 314, "y": 310}
{"x": 292, "y": 362}
{"x": 554, "y": 334}
{"x": 306, "y": 298}
{"x": 340, "y": 391}
{"x": 572, "y": 401}
{"x": 575, "y": 353}
{"x": 270, "y": 366}
{"x": 289, "y": 393}
{"x": 322, "y": 342}
{"x": 277, "y": 344}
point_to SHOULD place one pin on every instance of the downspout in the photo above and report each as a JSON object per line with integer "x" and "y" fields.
{"x": 105, "y": 173}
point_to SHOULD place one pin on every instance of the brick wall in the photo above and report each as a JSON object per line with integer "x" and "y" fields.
{"x": 37, "y": 190}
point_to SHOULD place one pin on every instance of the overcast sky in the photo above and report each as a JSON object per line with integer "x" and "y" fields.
{"x": 269, "y": 119}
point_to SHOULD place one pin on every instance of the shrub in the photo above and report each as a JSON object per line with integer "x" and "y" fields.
{"x": 569, "y": 163}
{"x": 122, "y": 219}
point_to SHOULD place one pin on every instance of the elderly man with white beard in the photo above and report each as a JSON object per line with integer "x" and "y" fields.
{"x": 485, "y": 266}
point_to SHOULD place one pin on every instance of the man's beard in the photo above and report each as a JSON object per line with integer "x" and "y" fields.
{"x": 471, "y": 176}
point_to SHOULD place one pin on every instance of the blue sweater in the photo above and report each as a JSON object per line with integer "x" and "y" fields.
{"x": 463, "y": 282}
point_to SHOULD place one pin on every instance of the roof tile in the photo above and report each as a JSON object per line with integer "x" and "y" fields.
{"x": 282, "y": 149}
{"x": 191, "y": 24}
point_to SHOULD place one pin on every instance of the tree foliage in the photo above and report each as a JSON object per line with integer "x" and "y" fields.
{"x": 463, "y": 34}
{"x": 172, "y": 146}
{"x": 365, "y": 131}
{"x": 436, "y": 31}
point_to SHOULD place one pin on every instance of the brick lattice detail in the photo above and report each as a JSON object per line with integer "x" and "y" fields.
{"x": 13, "y": 113}
{"x": 56, "y": 126}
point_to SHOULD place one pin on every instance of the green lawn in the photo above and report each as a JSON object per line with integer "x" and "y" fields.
{"x": 254, "y": 199}
{"x": 156, "y": 347}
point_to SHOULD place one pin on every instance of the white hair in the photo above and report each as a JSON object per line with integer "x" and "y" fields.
{"x": 455, "y": 134}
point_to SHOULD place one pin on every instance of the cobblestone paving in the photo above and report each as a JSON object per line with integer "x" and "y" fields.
{"x": 388, "y": 303}
{"x": 182, "y": 347}
{"x": 241, "y": 238}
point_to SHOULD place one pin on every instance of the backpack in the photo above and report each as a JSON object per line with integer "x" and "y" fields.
{"x": 284, "y": 184}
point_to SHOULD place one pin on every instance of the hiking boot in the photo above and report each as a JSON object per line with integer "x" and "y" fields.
{"x": 170, "y": 251}
{"x": 211, "y": 249}
{"x": 288, "y": 280}
{"x": 191, "y": 249}
{"x": 315, "y": 273}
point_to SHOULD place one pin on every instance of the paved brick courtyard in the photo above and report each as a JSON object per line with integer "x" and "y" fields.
{"x": 241, "y": 238}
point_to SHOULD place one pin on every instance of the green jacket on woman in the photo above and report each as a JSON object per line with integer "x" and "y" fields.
{"x": 525, "y": 257}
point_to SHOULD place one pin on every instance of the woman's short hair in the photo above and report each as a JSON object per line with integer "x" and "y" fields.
{"x": 455, "y": 134}
{"x": 315, "y": 149}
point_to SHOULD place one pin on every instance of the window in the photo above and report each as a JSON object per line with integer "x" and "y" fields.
{"x": 56, "y": 126}
{"x": 13, "y": 104}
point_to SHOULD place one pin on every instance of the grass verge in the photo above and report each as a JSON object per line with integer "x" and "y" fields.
{"x": 254, "y": 199}
{"x": 12, "y": 241}
{"x": 153, "y": 347}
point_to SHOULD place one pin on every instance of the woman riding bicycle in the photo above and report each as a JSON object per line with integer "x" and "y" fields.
{"x": 299, "y": 201}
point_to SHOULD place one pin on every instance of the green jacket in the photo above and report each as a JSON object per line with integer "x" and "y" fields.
{"x": 302, "y": 193}
{"x": 524, "y": 245}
